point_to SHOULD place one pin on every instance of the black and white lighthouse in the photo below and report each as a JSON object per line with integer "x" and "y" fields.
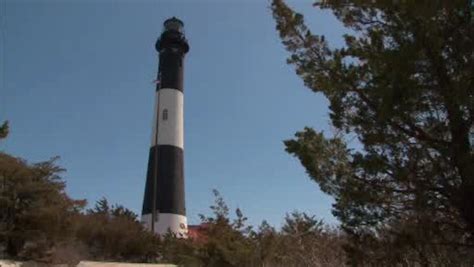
{"x": 163, "y": 204}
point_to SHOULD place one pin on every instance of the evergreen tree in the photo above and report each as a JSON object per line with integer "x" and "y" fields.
{"x": 4, "y": 129}
{"x": 113, "y": 233}
{"x": 226, "y": 242}
{"x": 403, "y": 84}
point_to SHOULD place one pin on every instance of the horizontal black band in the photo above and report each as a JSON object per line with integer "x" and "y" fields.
{"x": 171, "y": 70}
{"x": 166, "y": 162}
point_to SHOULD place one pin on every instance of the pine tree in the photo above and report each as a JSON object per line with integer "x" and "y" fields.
{"x": 4, "y": 129}
{"x": 403, "y": 84}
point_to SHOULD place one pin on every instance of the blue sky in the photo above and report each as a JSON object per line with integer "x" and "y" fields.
{"x": 76, "y": 81}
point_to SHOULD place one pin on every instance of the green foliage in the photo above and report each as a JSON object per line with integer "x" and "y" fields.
{"x": 4, "y": 129}
{"x": 35, "y": 211}
{"x": 112, "y": 232}
{"x": 38, "y": 221}
{"x": 309, "y": 242}
{"x": 302, "y": 241}
{"x": 269, "y": 244}
{"x": 403, "y": 85}
{"x": 226, "y": 242}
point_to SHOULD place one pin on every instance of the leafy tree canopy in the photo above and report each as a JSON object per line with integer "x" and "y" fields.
{"x": 35, "y": 211}
{"x": 403, "y": 84}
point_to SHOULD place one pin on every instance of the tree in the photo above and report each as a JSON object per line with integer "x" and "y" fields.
{"x": 35, "y": 212}
{"x": 113, "y": 233}
{"x": 403, "y": 84}
{"x": 39, "y": 221}
{"x": 269, "y": 245}
{"x": 302, "y": 241}
{"x": 309, "y": 242}
{"x": 227, "y": 242}
{"x": 4, "y": 129}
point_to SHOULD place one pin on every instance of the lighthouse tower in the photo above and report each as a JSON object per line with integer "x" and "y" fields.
{"x": 163, "y": 204}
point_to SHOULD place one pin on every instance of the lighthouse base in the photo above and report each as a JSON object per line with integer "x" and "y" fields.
{"x": 167, "y": 222}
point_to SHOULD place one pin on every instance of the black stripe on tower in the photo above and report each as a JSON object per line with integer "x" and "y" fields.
{"x": 170, "y": 182}
{"x": 171, "y": 70}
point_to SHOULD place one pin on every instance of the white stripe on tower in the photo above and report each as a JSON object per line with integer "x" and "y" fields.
{"x": 170, "y": 121}
{"x": 175, "y": 223}
{"x": 154, "y": 125}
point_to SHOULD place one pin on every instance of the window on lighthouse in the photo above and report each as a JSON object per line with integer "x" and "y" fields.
{"x": 165, "y": 114}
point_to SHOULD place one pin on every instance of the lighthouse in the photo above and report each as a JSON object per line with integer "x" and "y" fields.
{"x": 164, "y": 203}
